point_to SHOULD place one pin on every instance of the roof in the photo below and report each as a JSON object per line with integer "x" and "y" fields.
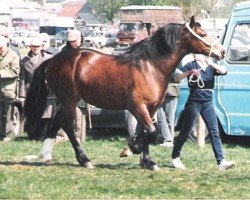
{"x": 136, "y": 7}
{"x": 242, "y": 5}
{"x": 90, "y": 19}
{"x": 70, "y": 11}
{"x": 241, "y": 9}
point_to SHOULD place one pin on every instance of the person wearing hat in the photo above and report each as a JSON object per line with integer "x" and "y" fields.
{"x": 74, "y": 41}
{"x": 47, "y": 48}
{"x": 5, "y": 31}
{"x": 29, "y": 64}
{"x": 9, "y": 71}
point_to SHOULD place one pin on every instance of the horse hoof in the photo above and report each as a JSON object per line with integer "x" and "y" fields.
{"x": 89, "y": 165}
{"x": 148, "y": 163}
{"x": 126, "y": 152}
{"x": 48, "y": 162}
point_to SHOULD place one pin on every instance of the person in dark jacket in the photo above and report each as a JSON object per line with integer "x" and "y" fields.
{"x": 74, "y": 40}
{"x": 29, "y": 64}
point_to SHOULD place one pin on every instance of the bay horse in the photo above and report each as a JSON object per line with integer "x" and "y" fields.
{"x": 135, "y": 80}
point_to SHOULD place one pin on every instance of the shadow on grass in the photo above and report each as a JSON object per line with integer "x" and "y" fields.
{"x": 116, "y": 166}
{"x": 39, "y": 164}
{"x": 22, "y": 138}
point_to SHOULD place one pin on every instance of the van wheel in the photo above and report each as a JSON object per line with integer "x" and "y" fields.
{"x": 16, "y": 122}
{"x": 131, "y": 124}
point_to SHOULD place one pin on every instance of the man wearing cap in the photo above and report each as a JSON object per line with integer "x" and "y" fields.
{"x": 9, "y": 71}
{"x": 5, "y": 31}
{"x": 29, "y": 64}
{"x": 74, "y": 41}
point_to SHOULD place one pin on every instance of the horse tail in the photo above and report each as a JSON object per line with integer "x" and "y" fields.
{"x": 35, "y": 102}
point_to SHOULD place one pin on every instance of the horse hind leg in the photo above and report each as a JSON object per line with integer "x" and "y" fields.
{"x": 68, "y": 127}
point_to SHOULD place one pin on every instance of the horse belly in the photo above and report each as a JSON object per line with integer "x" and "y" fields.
{"x": 104, "y": 95}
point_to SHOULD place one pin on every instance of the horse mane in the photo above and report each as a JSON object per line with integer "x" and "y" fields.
{"x": 159, "y": 45}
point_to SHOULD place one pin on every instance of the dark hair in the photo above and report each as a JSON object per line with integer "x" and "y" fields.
{"x": 159, "y": 45}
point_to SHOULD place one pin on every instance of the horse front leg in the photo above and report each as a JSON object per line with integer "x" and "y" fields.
{"x": 68, "y": 127}
{"x": 144, "y": 139}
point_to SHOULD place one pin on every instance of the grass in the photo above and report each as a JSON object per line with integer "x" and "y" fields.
{"x": 116, "y": 178}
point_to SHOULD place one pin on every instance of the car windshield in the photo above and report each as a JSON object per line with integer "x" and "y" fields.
{"x": 128, "y": 27}
{"x": 61, "y": 34}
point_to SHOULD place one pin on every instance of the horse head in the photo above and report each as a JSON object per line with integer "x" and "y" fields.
{"x": 199, "y": 41}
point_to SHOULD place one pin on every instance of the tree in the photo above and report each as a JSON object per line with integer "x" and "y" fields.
{"x": 108, "y": 7}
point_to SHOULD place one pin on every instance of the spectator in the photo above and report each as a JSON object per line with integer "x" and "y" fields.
{"x": 28, "y": 65}
{"x": 166, "y": 112}
{"x": 75, "y": 40}
{"x": 46, "y": 45}
{"x": 9, "y": 71}
{"x": 5, "y": 31}
{"x": 200, "y": 73}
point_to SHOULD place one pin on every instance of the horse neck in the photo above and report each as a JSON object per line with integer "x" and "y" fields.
{"x": 168, "y": 65}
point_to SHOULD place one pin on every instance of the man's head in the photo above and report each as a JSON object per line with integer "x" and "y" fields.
{"x": 5, "y": 31}
{"x": 3, "y": 45}
{"x": 46, "y": 40}
{"x": 36, "y": 45}
{"x": 74, "y": 38}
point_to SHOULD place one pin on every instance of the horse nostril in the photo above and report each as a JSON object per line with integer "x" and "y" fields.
{"x": 223, "y": 53}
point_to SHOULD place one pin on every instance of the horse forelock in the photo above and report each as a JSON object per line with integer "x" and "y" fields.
{"x": 154, "y": 48}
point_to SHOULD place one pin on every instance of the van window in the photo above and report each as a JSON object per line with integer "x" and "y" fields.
{"x": 239, "y": 49}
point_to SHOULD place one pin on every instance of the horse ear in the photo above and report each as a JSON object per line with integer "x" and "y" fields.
{"x": 192, "y": 22}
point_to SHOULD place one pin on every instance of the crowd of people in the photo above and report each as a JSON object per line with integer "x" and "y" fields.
{"x": 16, "y": 74}
{"x": 12, "y": 68}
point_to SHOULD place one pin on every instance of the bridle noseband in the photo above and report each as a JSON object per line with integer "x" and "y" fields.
{"x": 202, "y": 39}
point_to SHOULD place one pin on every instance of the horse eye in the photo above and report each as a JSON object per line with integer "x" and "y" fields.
{"x": 203, "y": 35}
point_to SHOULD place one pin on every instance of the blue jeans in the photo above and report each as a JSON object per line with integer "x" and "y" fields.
{"x": 191, "y": 112}
{"x": 165, "y": 117}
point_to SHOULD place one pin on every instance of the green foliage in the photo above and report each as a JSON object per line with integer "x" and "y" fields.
{"x": 116, "y": 178}
{"x": 189, "y": 7}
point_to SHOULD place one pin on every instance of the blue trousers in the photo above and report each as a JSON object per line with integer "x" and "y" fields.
{"x": 165, "y": 117}
{"x": 191, "y": 112}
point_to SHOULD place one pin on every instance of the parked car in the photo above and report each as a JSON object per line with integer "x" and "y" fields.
{"x": 59, "y": 39}
{"x": 22, "y": 38}
{"x": 103, "y": 118}
{"x": 100, "y": 39}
